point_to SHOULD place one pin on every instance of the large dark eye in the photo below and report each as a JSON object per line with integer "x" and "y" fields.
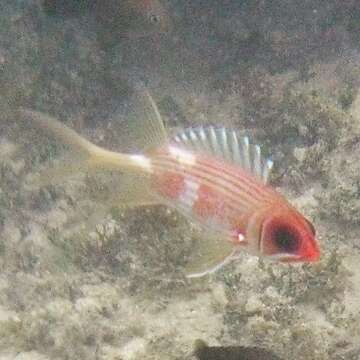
{"x": 285, "y": 239}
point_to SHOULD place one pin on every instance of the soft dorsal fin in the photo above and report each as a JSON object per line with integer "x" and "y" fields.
{"x": 144, "y": 129}
{"x": 226, "y": 144}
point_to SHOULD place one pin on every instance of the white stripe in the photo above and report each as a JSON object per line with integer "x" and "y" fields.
{"x": 182, "y": 156}
{"x": 190, "y": 193}
{"x": 142, "y": 161}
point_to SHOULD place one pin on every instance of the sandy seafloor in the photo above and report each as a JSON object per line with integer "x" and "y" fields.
{"x": 288, "y": 72}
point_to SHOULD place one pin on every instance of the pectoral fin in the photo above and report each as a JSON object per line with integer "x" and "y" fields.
{"x": 210, "y": 253}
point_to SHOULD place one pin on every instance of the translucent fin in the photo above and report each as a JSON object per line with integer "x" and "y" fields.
{"x": 121, "y": 190}
{"x": 144, "y": 129}
{"x": 228, "y": 145}
{"x": 54, "y": 175}
{"x": 94, "y": 156}
{"x": 108, "y": 191}
{"x": 60, "y": 131}
{"x": 209, "y": 255}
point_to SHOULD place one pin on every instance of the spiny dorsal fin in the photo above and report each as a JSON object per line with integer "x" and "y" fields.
{"x": 226, "y": 144}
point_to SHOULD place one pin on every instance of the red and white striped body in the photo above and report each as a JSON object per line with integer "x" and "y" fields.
{"x": 227, "y": 194}
{"x": 219, "y": 196}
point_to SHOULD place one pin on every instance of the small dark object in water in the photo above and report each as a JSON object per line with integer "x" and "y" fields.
{"x": 204, "y": 352}
{"x": 66, "y": 7}
{"x": 115, "y": 19}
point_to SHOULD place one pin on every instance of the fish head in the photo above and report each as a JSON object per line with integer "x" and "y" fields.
{"x": 287, "y": 236}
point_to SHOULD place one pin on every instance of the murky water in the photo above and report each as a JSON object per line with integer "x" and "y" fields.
{"x": 85, "y": 277}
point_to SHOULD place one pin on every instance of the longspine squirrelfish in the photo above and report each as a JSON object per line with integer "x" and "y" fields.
{"x": 214, "y": 177}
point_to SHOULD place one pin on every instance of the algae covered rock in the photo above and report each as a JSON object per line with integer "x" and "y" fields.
{"x": 74, "y": 286}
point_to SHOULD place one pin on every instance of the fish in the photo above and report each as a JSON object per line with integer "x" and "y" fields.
{"x": 204, "y": 352}
{"x": 116, "y": 18}
{"x": 131, "y": 19}
{"x": 214, "y": 176}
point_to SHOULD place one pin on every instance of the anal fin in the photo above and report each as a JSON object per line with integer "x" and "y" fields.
{"x": 101, "y": 193}
{"x": 107, "y": 191}
{"x": 121, "y": 189}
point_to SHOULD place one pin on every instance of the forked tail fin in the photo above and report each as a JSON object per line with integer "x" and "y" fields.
{"x": 127, "y": 183}
{"x": 95, "y": 156}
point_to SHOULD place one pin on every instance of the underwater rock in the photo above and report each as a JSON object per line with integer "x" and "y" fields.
{"x": 86, "y": 297}
{"x": 29, "y": 355}
{"x": 205, "y": 352}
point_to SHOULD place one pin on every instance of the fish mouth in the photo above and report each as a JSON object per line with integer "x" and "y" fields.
{"x": 310, "y": 254}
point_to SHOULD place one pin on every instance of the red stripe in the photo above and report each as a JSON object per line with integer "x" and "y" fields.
{"x": 208, "y": 204}
{"x": 236, "y": 172}
{"x": 262, "y": 196}
{"x": 232, "y": 170}
{"x": 170, "y": 184}
{"x": 236, "y": 177}
{"x": 235, "y": 196}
